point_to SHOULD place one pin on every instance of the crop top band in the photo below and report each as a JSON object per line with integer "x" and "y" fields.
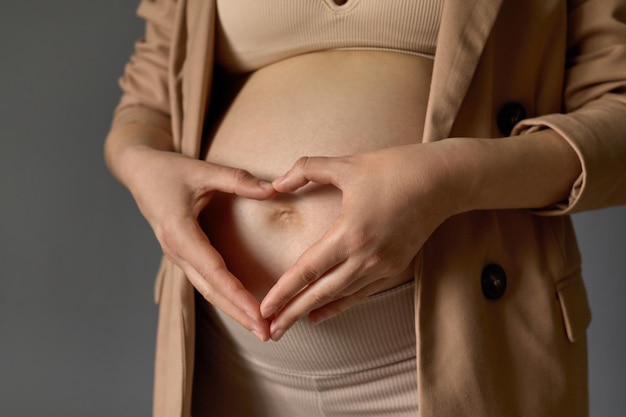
{"x": 255, "y": 33}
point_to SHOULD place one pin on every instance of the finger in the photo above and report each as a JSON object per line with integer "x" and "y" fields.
{"x": 234, "y": 181}
{"x": 319, "y": 169}
{"x": 320, "y": 293}
{"x": 240, "y": 312}
{"x": 322, "y": 256}
{"x": 342, "y": 304}
{"x": 206, "y": 270}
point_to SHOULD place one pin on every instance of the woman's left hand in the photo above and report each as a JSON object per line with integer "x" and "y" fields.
{"x": 392, "y": 201}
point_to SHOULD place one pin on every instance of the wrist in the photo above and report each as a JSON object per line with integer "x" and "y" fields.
{"x": 455, "y": 162}
{"x": 436, "y": 185}
{"x": 466, "y": 172}
{"x": 520, "y": 172}
{"x": 130, "y": 163}
{"x": 123, "y": 143}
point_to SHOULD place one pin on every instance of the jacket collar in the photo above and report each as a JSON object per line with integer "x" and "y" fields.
{"x": 465, "y": 27}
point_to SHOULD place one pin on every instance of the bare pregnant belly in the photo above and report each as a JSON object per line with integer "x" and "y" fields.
{"x": 322, "y": 104}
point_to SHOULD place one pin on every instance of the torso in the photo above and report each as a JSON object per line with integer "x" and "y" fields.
{"x": 325, "y": 103}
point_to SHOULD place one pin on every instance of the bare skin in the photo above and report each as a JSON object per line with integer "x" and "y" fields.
{"x": 359, "y": 196}
{"x": 330, "y": 104}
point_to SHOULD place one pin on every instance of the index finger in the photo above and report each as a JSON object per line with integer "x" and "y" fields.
{"x": 246, "y": 314}
{"x": 231, "y": 180}
{"x": 322, "y": 256}
{"x": 206, "y": 270}
{"x": 318, "y": 169}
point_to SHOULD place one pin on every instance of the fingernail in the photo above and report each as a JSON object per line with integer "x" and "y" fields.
{"x": 258, "y": 335}
{"x": 276, "y": 332}
{"x": 268, "y": 312}
{"x": 278, "y": 180}
{"x": 276, "y": 335}
{"x": 265, "y": 184}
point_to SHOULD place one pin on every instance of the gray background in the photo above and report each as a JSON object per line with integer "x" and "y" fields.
{"x": 77, "y": 322}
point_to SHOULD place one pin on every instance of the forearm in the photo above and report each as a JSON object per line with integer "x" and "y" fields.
{"x": 529, "y": 171}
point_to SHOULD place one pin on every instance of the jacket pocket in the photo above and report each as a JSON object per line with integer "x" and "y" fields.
{"x": 572, "y": 297}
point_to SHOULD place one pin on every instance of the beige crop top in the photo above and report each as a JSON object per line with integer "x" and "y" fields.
{"x": 255, "y": 33}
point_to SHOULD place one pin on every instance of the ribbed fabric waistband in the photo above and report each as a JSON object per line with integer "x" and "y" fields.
{"x": 377, "y": 332}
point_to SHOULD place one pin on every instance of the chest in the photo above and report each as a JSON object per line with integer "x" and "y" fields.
{"x": 252, "y": 34}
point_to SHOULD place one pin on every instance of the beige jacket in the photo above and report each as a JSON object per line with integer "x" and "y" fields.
{"x": 483, "y": 349}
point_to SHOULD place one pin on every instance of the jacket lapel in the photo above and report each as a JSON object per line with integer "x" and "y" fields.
{"x": 465, "y": 27}
{"x": 191, "y": 67}
{"x": 192, "y": 70}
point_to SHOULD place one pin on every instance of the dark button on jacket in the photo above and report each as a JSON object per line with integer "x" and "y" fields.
{"x": 493, "y": 281}
{"x": 509, "y": 115}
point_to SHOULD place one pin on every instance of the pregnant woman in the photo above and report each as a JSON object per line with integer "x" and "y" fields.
{"x": 380, "y": 188}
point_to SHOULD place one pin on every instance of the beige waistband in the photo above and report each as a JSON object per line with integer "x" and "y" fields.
{"x": 377, "y": 332}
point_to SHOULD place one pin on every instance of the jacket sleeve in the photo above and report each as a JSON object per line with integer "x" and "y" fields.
{"x": 144, "y": 107}
{"x": 594, "y": 118}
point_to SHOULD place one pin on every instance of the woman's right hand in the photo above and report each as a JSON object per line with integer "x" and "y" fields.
{"x": 171, "y": 190}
